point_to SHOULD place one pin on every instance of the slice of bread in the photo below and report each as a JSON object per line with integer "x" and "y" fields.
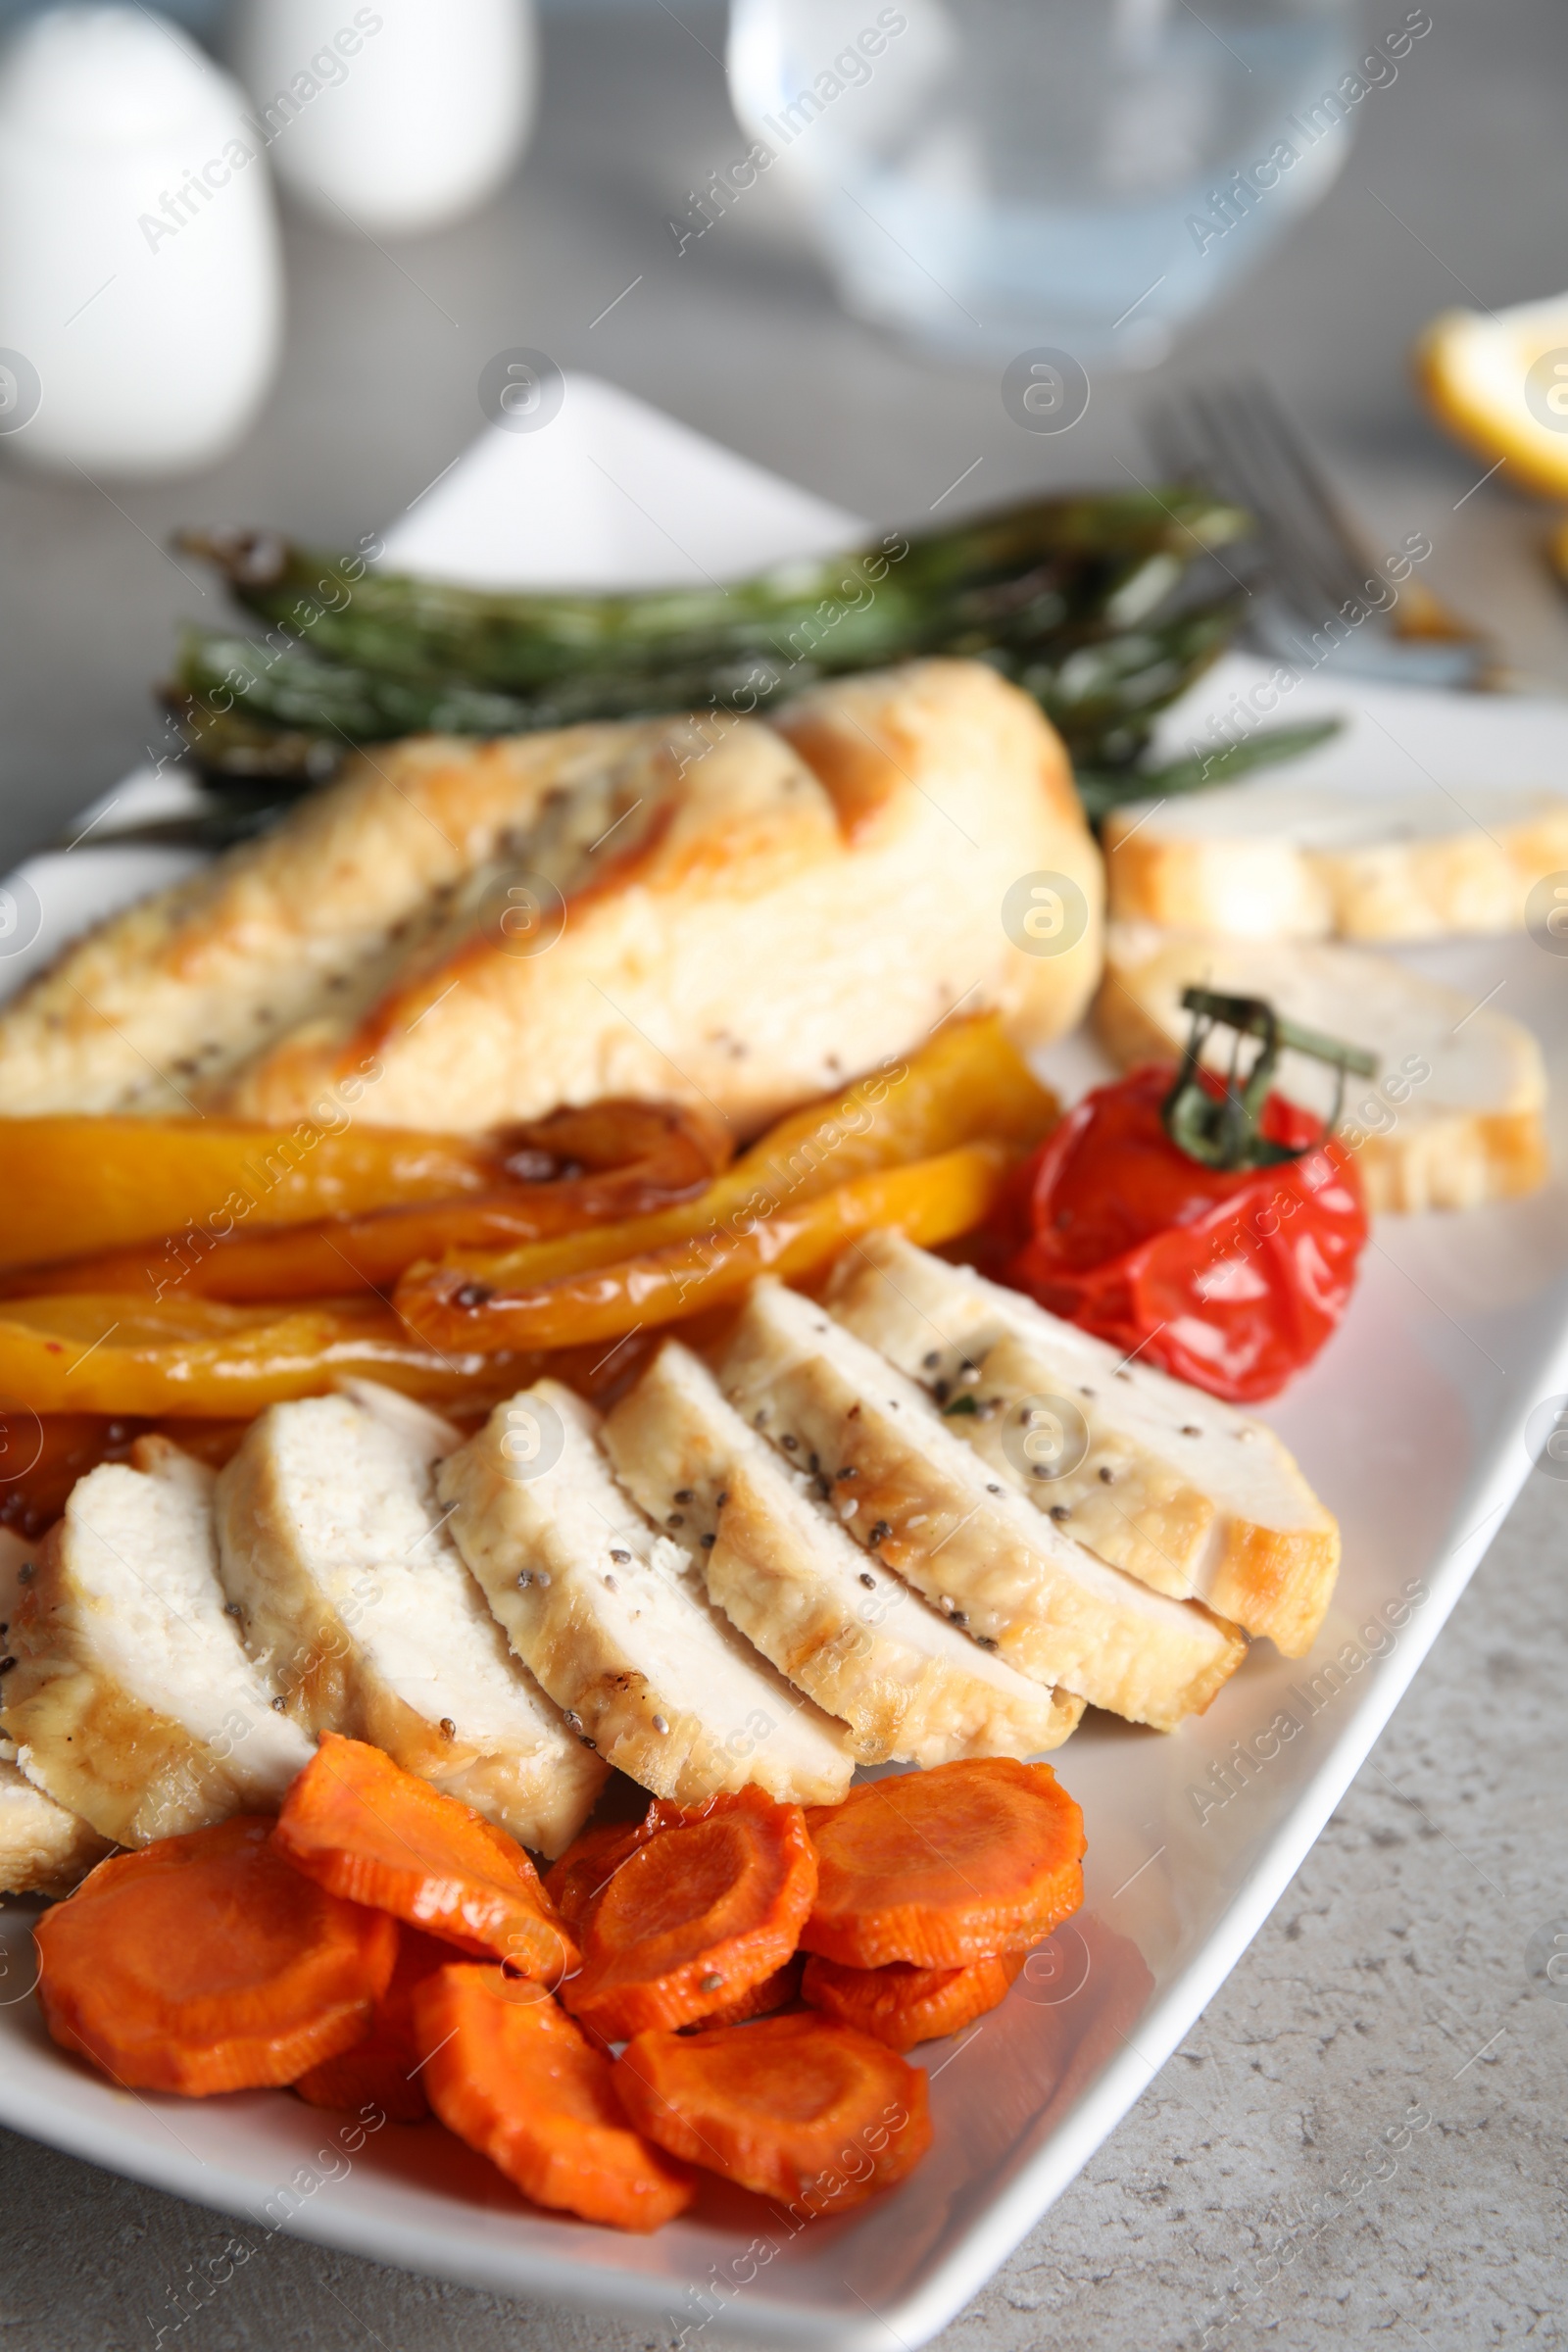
{"x": 132, "y": 1703}
{"x": 1183, "y": 1492}
{"x": 912, "y": 1686}
{"x": 1287, "y": 860}
{"x": 735, "y": 914}
{"x": 357, "y": 1606}
{"x": 609, "y": 1615}
{"x": 911, "y": 1492}
{"x": 1456, "y": 1115}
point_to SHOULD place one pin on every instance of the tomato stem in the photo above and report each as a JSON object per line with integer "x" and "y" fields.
{"x": 1225, "y": 1130}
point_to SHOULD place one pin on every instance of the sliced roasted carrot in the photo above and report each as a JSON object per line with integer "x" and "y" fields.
{"x": 944, "y": 1867}
{"x": 580, "y": 1878}
{"x": 758, "y": 2000}
{"x": 375, "y": 2074}
{"x": 575, "y": 1882}
{"x": 383, "y": 2070}
{"x": 696, "y": 1915}
{"x": 509, "y": 2073}
{"x": 901, "y": 2005}
{"x": 204, "y": 1963}
{"x": 796, "y": 2107}
{"x": 359, "y": 1824}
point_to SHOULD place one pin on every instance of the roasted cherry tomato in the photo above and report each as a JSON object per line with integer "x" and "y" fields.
{"x": 1230, "y": 1279}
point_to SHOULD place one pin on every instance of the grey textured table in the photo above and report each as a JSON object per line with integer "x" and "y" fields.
{"x": 1394, "y": 1973}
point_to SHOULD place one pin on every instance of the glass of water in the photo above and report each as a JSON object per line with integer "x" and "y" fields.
{"x": 983, "y": 175}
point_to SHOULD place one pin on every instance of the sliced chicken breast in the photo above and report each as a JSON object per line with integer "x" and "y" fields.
{"x": 608, "y": 1614}
{"x": 1183, "y": 1492}
{"x": 43, "y": 1848}
{"x": 923, "y": 1502}
{"x": 911, "y": 1688}
{"x": 132, "y": 1703}
{"x": 355, "y": 1603}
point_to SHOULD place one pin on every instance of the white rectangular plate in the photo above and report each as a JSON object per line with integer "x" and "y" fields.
{"x": 1412, "y": 1427}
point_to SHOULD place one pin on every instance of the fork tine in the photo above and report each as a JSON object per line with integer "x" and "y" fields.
{"x": 1237, "y": 439}
{"x": 1303, "y": 554}
{"x": 1295, "y": 556}
{"x": 1190, "y": 440}
{"x": 1304, "y": 562}
{"x": 1185, "y": 446}
{"x": 1279, "y": 434}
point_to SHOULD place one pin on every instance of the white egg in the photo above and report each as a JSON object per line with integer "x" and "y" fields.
{"x": 392, "y": 119}
{"x": 140, "y": 285}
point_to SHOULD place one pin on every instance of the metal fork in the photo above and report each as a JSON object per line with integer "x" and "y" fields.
{"x": 1317, "y": 595}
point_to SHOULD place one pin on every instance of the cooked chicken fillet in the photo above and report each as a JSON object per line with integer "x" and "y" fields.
{"x": 736, "y": 912}
{"x": 932, "y": 1511}
{"x": 605, "y": 1611}
{"x": 1183, "y": 1492}
{"x": 859, "y": 1641}
{"x": 179, "y": 991}
{"x": 132, "y": 1701}
{"x": 357, "y": 1606}
{"x": 43, "y": 1848}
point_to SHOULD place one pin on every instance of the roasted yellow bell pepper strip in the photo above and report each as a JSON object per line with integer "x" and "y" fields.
{"x": 84, "y": 1354}
{"x": 678, "y": 1157}
{"x": 967, "y": 1085}
{"x": 930, "y": 1200}
{"x": 70, "y": 1186}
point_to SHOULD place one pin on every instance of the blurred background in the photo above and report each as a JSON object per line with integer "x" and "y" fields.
{"x": 1452, "y": 193}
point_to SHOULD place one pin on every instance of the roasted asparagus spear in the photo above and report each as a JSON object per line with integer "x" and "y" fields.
{"x": 1102, "y": 608}
{"x": 1006, "y": 577}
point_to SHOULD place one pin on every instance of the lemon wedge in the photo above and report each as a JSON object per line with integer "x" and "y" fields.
{"x": 1499, "y": 383}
